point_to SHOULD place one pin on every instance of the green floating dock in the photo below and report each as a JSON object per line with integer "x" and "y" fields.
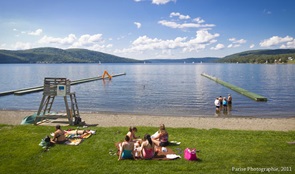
{"x": 237, "y": 89}
{"x": 40, "y": 88}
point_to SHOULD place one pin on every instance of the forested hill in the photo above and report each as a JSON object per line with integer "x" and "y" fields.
{"x": 261, "y": 56}
{"x": 55, "y": 55}
{"x": 187, "y": 60}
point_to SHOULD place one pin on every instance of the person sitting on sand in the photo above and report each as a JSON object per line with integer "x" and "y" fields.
{"x": 147, "y": 147}
{"x": 59, "y": 136}
{"x": 131, "y": 133}
{"x": 126, "y": 149}
{"x": 161, "y": 139}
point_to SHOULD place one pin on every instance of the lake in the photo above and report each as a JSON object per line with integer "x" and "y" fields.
{"x": 158, "y": 89}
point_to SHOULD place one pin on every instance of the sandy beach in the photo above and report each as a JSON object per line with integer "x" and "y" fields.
{"x": 111, "y": 119}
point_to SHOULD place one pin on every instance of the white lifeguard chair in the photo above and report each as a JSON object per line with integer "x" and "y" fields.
{"x": 57, "y": 87}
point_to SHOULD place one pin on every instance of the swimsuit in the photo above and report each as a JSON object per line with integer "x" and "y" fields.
{"x": 148, "y": 153}
{"x": 224, "y": 103}
{"x": 164, "y": 140}
{"x": 126, "y": 154}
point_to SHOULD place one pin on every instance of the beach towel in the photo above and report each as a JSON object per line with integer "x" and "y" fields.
{"x": 166, "y": 153}
{"x": 73, "y": 142}
{"x": 174, "y": 143}
{"x": 80, "y": 134}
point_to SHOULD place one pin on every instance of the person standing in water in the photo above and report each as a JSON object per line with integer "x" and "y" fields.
{"x": 229, "y": 99}
{"x": 217, "y": 103}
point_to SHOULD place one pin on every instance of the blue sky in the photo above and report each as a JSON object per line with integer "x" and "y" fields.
{"x": 144, "y": 29}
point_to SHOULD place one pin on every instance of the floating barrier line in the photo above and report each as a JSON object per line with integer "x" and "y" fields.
{"x": 40, "y": 88}
{"x": 237, "y": 89}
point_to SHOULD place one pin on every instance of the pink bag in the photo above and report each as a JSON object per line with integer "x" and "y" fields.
{"x": 190, "y": 154}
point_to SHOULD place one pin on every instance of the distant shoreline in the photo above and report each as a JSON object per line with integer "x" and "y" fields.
{"x": 126, "y": 120}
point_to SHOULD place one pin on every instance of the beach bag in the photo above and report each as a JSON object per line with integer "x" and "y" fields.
{"x": 190, "y": 154}
{"x": 77, "y": 120}
{"x": 45, "y": 142}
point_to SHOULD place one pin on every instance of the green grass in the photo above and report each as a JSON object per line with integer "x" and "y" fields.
{"x": 220, "y": 151}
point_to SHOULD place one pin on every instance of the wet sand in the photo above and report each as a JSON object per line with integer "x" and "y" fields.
{"x": 200, "y": 122}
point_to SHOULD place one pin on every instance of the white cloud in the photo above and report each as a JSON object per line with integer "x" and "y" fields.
{"x": 3, "y": 46}
{"x": 217, "y": 47}
{"x": 172, "y": 24}
{"x": 275, "y": 40}
{"x": 194, "y": 23}
{"x": 144, "y": 43}
{"x": 203, "y": 36}
{"x": 198, "y": 20}
{"x": 234, "y": 40}
{"x": 36, "y": 33}
{"x": 138, "y": 25}
{"x": 158, "y": 2}
{"x": 70, "y": 39}
{"x": 87, "y": 41}
{"x": 236, "y": 43}
{"x": 180, "y": 16}
{"x": 233, "y": 45}
{"x": 21, "y": 46}
{"x": 290, "y": 44}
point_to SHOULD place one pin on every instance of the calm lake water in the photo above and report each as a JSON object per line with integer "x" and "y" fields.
{"x": 158, "y": 89}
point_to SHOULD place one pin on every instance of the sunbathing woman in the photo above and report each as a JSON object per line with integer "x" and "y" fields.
{"x": 126, "y": 149}
{"x": 162, "y": 127}
{"x": 161, "y": 140}
{"x": 80, "y": 132}
{"x": 147, "y": 147}
{"x": 59, "y": 136}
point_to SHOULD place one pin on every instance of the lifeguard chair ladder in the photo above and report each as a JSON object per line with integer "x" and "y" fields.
{"x": 57, "y": 87}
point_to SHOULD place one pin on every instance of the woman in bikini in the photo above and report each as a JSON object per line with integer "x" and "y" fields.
{"x": 126, "y": 149}
{"x": 147, "y": 147}
{"x": 161, "y": 140}
{"x": 131, "y": 134}
{"x": 59, "y": 136}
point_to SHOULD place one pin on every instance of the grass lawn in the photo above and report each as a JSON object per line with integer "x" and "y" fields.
{"x": 221, "y": 151}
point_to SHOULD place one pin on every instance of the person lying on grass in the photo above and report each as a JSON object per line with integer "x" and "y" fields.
{"x": 126, "y": 149}
{"x": 59, "y": 136}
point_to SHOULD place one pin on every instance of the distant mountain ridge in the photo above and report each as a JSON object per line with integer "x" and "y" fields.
{"x": 56, "y": 55}
{"x": 260, "y": 56}
{"x": 186, "y": 60}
